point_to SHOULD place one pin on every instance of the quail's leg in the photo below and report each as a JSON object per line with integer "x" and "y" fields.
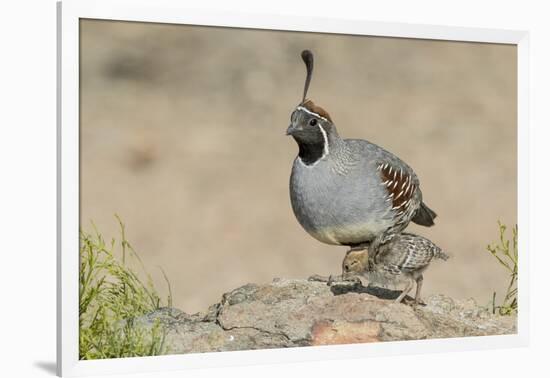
{"x": 405, "y": 291}
{"x": 318, "y": 278}
{"x": 419, "y": 281}
{"x": 335, "y": 280}
{"x": 358, "y": 247}
{"x": 343, "y": 280}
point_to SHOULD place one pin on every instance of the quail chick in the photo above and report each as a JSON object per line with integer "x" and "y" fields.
{"x": 406, "y": 255}
{"x": 348, "y": 191}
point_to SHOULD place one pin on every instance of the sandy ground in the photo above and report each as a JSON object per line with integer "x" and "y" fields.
{"x": 182, "y": 135}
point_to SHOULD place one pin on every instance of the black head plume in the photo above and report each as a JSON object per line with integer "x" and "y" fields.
{"x": 307, "y": 57}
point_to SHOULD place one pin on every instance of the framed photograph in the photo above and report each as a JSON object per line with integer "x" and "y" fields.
{"x": 238, "y": 190}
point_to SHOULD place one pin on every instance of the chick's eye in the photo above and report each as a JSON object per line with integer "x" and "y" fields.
{"x": 313, "y": 122}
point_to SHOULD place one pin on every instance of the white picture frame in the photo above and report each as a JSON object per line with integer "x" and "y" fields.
{"x": 171, "y": 11}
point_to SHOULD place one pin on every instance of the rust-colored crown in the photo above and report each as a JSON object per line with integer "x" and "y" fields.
{"x": 310, "y": 105}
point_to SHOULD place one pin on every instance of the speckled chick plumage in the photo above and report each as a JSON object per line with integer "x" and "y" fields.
{"x": 406, "y": 255}
{"x": 348, "y": 191}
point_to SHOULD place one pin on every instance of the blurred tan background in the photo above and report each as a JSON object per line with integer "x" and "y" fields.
{"x": 182, "y": 135}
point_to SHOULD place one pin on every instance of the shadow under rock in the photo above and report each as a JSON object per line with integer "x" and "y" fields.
{"x": 339, "y": 288}
{"x": 379, "y": 292}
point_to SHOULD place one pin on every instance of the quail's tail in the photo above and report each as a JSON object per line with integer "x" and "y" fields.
{"x": 424, "y": 216}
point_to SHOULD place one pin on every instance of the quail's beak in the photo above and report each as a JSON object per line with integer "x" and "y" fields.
{"x": 293, "y": 129}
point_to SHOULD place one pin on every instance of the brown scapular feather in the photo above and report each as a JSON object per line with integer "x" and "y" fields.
{"x": 397, "y": 182}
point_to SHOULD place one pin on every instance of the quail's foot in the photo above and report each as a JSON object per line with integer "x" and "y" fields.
{"x": 344, "y": 280}
{"x": 419, "y": 302}
{"x": 318, "y": 278}
{"x": 335, "y": 280}
{"x": 358, "y": 247}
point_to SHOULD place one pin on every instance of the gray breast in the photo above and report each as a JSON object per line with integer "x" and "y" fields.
{"x": 340, "y": 203}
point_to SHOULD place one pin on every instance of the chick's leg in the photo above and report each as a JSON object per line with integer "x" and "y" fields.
{"x": 419, "y": 281}
{"x": 406, "y": 291}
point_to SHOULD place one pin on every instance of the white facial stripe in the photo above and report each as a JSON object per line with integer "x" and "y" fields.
{"x": 312, "y": 113}
{"x": 325, "y": 137}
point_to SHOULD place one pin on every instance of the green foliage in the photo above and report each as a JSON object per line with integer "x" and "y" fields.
{"x": 111, "y": 296}
{"x": 506, "y": 253}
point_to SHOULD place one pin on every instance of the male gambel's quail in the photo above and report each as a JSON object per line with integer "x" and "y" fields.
{"x": 348, "y": 191}
{"x": 405, "y": 254}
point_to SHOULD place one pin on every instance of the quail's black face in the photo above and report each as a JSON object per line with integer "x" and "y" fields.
{"x": 311, "y": 127}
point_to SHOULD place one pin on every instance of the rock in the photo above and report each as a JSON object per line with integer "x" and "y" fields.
{"x": 289, "y": 313}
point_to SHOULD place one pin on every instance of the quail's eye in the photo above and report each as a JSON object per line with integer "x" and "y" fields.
{"x": 312, "y": 122}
